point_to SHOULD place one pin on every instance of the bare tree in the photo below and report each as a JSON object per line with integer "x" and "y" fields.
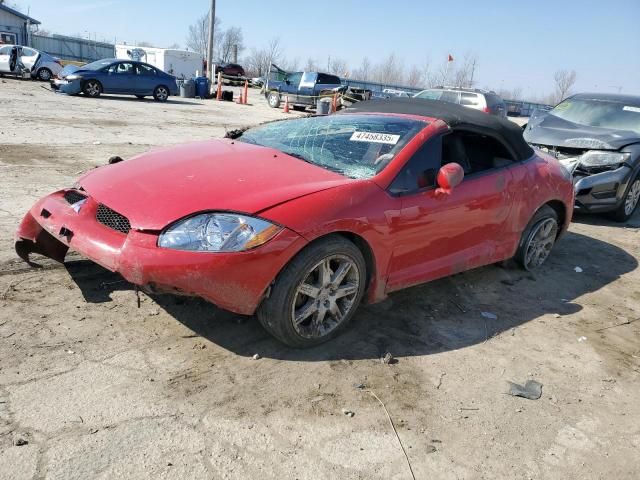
{"x": 338, "y": 66}
{"x": 390, "y": 71}
{"x": 463, "y": 76}
{"x": 230, "y": 39}
{"x": 564, "y": 80}
{"x": 199, "y": 33}
{"x": 258, "y": 61}
{"x": 311, "y": 65}
{"x": 144, "y": 44}
{"x": 364, "y": 71}
{"x": 174, "y": 46}
{"x": 414, "y": 77}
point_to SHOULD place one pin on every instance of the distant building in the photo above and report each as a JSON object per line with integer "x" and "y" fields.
{"x": 15, "y": 27}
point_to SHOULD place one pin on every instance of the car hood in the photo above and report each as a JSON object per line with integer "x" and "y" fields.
{"x": 159, "y": 187}
{"x": 68, "y": 70}
{"x": 555, "y": 131}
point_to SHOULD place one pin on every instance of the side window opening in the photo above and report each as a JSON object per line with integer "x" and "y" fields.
{"x": 421, "y": 169}
{"x": 475, "y": 152}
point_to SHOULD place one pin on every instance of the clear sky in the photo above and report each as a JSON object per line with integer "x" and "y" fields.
{"x": 519, "y": 43}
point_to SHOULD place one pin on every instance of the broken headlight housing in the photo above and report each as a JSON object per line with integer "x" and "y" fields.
{"x": 602, "y": 158}
{"x": 218, "y": 232}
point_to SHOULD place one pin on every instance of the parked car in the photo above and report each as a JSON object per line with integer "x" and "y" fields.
{"x": 302, "y": 89}
{"x": 116, "y": 76}
{"x": 300, "y": 220}
{"x": 483, "y": 100}
{"x": 597, "y": 139}
{"x": 230, "y": 69}
{"x": 40, "y": 64}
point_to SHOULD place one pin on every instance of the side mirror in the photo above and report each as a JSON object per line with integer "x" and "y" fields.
{"x": 449, "y": 177}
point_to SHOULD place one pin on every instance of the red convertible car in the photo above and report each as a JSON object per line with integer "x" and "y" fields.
{"x": 298, "y": 221}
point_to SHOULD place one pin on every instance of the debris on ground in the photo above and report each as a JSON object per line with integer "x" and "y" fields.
{"x": 115, "y": 159}
{"x": 439, "y": 382}
{"x": 348, "y": 413}
{"x": 578, "y": 270}
{"x": 256, "y": 356}
{"x": 531, "y": 390}
{"x": 489, "y": 315}
{"x": 359, "y": 386}
{"x": 20, "y": 440}
{"x": 556, "y": 315}
{"x": 97, "y": 142}
{"x": 582, "y": 339}
{"x": 389, "y": 359}
{"x": 431, "y": 449}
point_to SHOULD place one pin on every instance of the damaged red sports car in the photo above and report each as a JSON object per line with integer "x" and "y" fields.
{"x": 299, "y": 221}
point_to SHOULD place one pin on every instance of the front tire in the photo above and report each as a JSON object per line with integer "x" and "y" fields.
{"x": 44, "y": 74}
{"x": 316, "y": 295}
{"x": 538, "y": 238}
{"x": 274, "y": 99}
{"x": 92, "y": 88}
{"x": 630, "y": 203}
{"x": 161, "y": 93}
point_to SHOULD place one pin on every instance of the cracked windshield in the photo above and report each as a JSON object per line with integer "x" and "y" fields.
{"x": 356, "y": 146}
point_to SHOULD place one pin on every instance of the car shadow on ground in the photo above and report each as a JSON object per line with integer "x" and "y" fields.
{"x": 432, "y": 318}
{"x": 147, "y": 99}
{"x": 604, "y": 221}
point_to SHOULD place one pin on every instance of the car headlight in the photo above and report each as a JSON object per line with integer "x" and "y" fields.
{"x": 72, "y": 77}
{"x": 218, "y": 232}
{"x": 599, "y": 158}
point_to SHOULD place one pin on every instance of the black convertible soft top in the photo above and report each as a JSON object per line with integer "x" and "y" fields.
{"x": 453, "y": 115}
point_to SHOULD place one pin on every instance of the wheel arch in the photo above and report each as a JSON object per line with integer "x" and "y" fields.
{"x": 561, "y": 210}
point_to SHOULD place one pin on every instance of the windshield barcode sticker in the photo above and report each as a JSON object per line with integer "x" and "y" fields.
{"x": 375, "y": 137}
{"x": 631, "y": 109}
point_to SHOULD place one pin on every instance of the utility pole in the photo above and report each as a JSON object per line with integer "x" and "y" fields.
{"x": 212, "y": 22}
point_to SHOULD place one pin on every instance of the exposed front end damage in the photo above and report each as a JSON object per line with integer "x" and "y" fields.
{"x": 72, "y": 219}
{"x": 598, "y": 188}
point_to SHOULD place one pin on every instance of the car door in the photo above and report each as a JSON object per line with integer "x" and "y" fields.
{"x": 120, "y": 78}
{"x": 29, "y": 57}
{"x": 439, "y": 234}
{"x": 305, "y": 90}
{"x": 291, "y": 85}
{"x": 5, "y": 55}
{"x": 146, "y": 79}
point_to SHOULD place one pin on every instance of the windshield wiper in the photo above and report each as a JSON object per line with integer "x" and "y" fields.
{"x": 322, "y": 165}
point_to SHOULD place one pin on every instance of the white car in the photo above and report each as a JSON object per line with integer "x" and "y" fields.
{"x": 41, "y": 65}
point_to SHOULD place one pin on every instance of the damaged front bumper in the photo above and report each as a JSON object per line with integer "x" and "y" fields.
{"x": 233, "y": 281}
{"x": 72, "y": 87}
{"x": 603, "y": 191}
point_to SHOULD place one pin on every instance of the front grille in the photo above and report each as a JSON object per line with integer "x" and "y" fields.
{"x": 71, "y": 196}
{"x": 112, "y": 219}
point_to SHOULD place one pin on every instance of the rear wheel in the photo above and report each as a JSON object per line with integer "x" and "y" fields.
{"x": 630, "y": 202}
{"x": 538, "y": 239}
{"x": 92, "y": 88}
{"x": 161, "y": 93}
{"x": 274, "y": 99}
{"x": 44, "y": 74}
{"x": 316, "y": 294}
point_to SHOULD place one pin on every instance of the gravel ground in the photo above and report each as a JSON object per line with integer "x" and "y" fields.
{"x": 91, "y": 386}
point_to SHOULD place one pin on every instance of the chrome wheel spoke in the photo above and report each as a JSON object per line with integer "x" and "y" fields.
{"x": 325, "y": 273}
{"x": 346, "y": 290}
{"x": 309, "y": 290}
{"x": 340, "y": 273}
{"x": 302, "y": 314}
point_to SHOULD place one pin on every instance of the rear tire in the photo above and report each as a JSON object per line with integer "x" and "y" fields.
{"x": 161, "y": 93}
{"x": 44, "y": 74}
{"x": 316, "y": 294}
{"x": 630, "y": 202}
{"x": 538, "y": 238}
{"x": 92, "y": 88}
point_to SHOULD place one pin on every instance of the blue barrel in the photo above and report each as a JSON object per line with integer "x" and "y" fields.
{"x": 202, "y": 87}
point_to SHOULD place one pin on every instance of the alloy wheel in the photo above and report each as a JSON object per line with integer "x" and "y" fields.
{"x": 540, "y": 242}
{"x": 44, "y": 74}
{"x": 273, "y": 100}
{"x": 325, "y": 296}
{"x": 162, "y": 94}
{"x": 92, "y": 89}
{"x": 633, "y": 196}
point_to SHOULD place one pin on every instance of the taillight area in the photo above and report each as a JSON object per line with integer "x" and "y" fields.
{"x": 486, "y": 110}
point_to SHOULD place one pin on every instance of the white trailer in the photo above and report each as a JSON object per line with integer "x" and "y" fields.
{"x": 179, "y": 63}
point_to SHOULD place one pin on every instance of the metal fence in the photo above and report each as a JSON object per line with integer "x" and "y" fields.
{"x": 73, "y": 48}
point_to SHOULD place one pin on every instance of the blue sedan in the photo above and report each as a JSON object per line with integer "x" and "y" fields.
{"x": 111, "y": 75}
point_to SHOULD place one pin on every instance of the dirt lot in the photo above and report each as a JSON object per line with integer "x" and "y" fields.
{"x": 100, "y": 388}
